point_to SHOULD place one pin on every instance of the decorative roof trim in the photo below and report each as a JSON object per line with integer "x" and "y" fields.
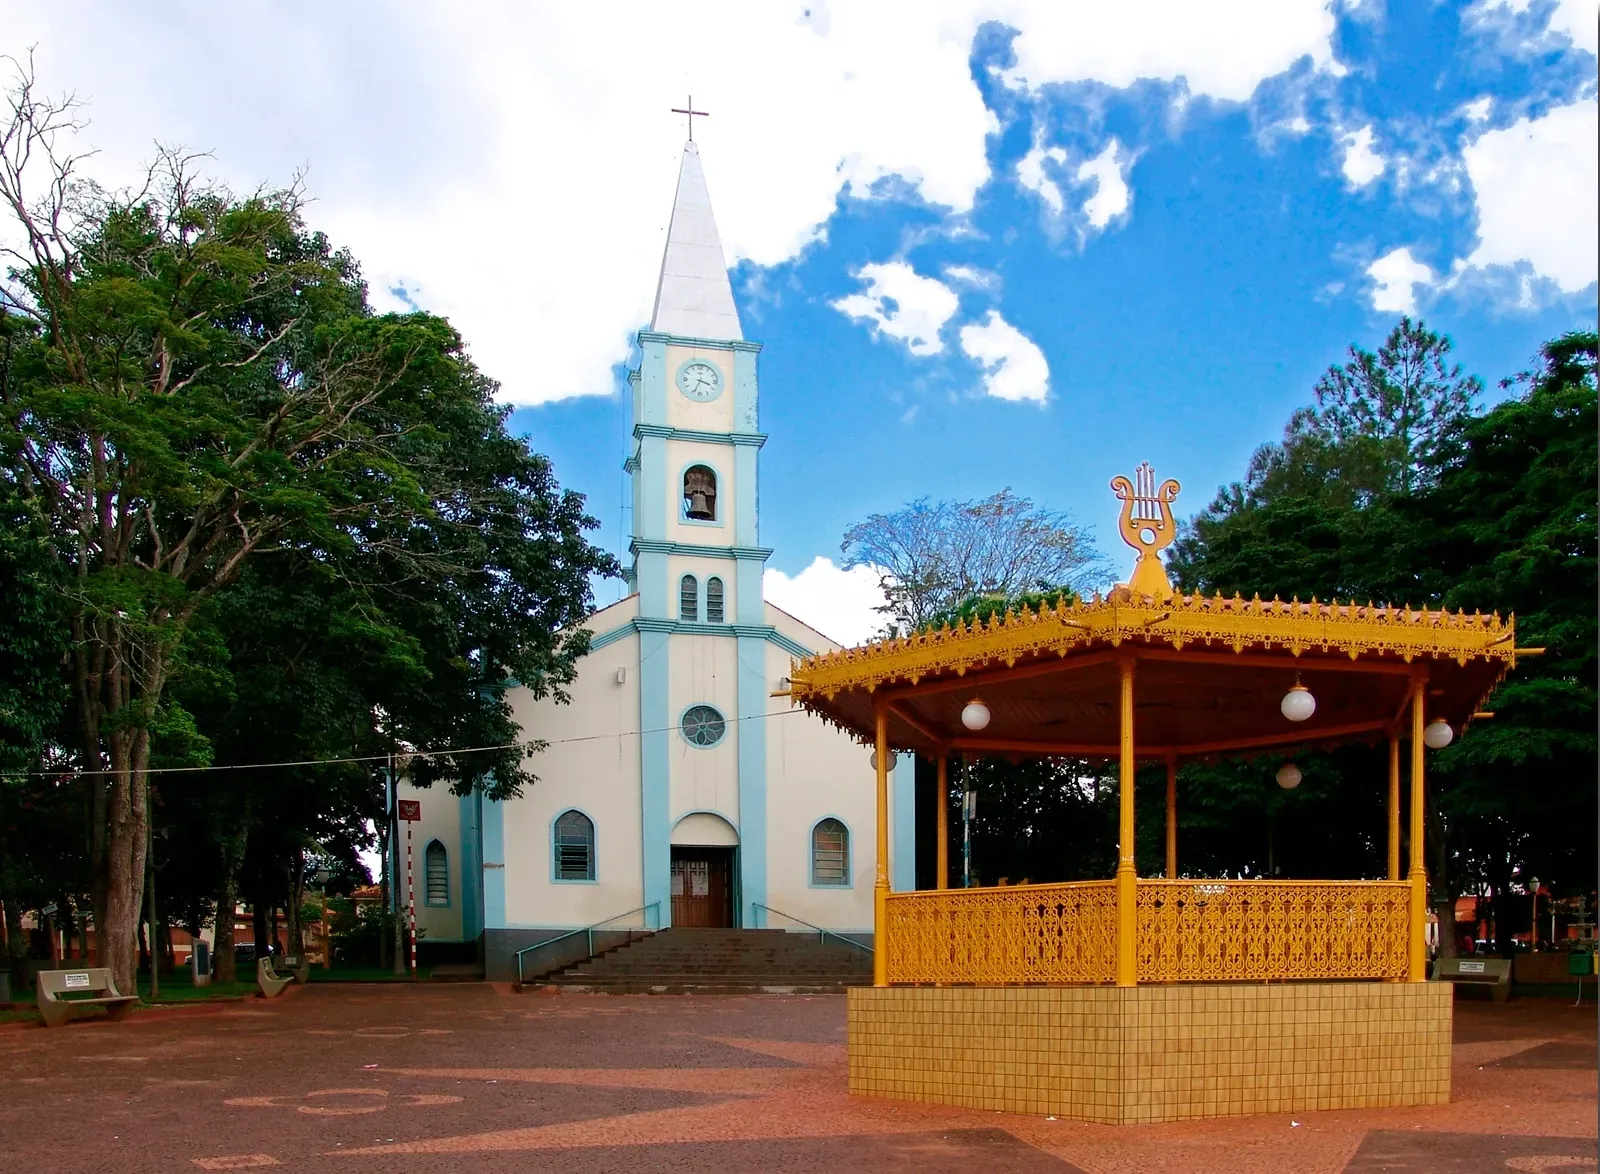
{"x": 1237, "y": 623}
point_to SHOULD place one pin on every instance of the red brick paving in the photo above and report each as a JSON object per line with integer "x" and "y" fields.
{"x": 465, "y": 1078}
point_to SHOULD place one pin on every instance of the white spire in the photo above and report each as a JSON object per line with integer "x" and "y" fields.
{"x": 693, "y": 297}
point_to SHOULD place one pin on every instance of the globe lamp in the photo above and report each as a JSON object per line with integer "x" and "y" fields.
{"x": 1289, "y": 776}
{"x": 1438, "y": 735}
{"x": 976, "y": 715}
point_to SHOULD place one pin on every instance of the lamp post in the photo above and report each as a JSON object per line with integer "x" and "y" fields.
{"x": 1533, "y": 919}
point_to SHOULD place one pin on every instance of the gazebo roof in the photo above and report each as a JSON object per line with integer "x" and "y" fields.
{"x": 1210, "y": 673}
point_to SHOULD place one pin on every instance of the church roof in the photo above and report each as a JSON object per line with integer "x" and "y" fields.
{"x": 693, "y": 297}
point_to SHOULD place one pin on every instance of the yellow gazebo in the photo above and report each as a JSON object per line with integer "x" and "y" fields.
{"x": 1142, "y": 998}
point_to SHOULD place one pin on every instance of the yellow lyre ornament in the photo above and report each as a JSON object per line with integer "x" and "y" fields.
{"x": 1147, "y": 525}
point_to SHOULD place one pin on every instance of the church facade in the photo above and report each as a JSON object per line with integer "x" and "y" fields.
{"x": 675, "y": 789}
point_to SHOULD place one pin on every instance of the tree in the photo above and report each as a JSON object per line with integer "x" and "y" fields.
{"x": 200, "y": 384}
{"x": 1375, "y": 427}
{"x": 1439, "y": 506}
{"x": 1512, "y": 526}
{"x": 933, "y": 556}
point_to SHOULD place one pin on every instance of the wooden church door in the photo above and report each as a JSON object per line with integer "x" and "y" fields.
{"x": 702, "y": 887}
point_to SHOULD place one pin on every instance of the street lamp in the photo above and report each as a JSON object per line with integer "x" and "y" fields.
{"x": 1533, "y": 920}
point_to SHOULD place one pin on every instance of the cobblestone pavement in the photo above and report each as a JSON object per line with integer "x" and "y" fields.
{"x": 362, "y": 1079}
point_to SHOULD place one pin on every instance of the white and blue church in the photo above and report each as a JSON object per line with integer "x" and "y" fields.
{"x": 676, "y": 788}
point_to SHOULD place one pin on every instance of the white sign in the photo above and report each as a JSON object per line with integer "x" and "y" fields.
{"x": 1472, "y": 968}
{"x": 75, "y": 980}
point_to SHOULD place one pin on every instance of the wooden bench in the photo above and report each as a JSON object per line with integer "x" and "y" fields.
{"x": 1492, "y": 972}
{"x": 61, "y": 990}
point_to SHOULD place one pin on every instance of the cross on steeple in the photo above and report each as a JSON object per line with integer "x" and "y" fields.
{"x": 692, "y": 114}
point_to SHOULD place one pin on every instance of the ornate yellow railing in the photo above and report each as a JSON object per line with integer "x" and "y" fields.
{"x": 1197, "y": 931}
{"x": 1064, "y": 933}
{"x": 1188, "y": 931}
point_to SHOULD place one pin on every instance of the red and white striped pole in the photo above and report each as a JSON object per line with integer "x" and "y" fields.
{"x": 411, "y": 902}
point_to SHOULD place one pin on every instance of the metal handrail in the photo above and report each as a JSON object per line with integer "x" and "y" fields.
{"x": 588, "y": 931}
{"x": 824, "y": 932}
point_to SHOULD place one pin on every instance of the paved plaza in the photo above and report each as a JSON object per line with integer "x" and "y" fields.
{"x": 469, "y": 1077}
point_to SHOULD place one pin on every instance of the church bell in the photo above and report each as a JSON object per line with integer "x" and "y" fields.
{"x": 700, "y": 494}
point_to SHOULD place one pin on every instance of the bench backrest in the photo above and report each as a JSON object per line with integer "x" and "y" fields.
{"x": 1487, "y": 969}
{"x": 93, "y": 981}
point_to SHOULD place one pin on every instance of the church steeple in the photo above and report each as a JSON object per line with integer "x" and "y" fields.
{"x": 693, "y": 296}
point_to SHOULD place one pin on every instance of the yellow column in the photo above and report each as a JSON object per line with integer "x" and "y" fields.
{"x": 1172, "y": 817}
{"x": 944, "y": 820}
{"x": 1127, "y": 882}
{"x": 1394, "y": 807}
{"x": 1417, "y": 958}
{"x": 880, "y": 889}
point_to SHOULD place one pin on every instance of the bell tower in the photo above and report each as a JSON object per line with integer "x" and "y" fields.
{"x": 697, "y": 563}
{"x": 695, "y": 438}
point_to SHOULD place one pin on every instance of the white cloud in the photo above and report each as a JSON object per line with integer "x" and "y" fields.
{"x": 1395, "y": 277}
{"x": 1221, "y": 50}
{"x": 1031, "y": 174}
{"x": 1014, "y": 367}
{"x": 973, "y": 277}
{"x": 1574, "y": 19}
{"x": 1478, "y": 109}
{"x": 838, "y": 603}
{"x": 903, "y": 304}
{"x": 1108, "y": 171}
{"x": 1361, "y": 164}
{"x": 1537, "y": 192}
{"x": 514, "y": 164}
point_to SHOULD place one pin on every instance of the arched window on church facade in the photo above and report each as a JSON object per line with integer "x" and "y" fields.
{"x": 713, "y": 600}
{"x": 574, "y": 847}
{"x": 830, "y": 854}
{"x": 435, "y": 874}
{"x": 688, "y": 599}
{"x": 699, "y": 494}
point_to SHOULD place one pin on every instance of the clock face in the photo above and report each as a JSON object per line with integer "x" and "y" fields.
{"x": 699, "y": 380}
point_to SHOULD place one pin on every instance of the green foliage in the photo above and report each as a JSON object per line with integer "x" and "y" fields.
{"x": 1496, "y": 512}
{"x": 981, "y": 609}
{"x": 292, "y": 527}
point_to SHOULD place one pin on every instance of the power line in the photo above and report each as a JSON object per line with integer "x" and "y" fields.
{"x": 546, "y": 742}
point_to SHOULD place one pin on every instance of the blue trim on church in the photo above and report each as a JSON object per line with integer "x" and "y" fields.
{"x": 903, "y": 825}
{"x": 655, "y": 795}
{"x": 494, "y": 864}
{"x": 752, "y": 781}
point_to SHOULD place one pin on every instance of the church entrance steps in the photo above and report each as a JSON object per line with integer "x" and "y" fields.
{"x": 676, "y": 961}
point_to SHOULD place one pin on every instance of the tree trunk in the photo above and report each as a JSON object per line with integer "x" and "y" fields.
{"x": 227, "y": 900}
{"x": 297, "y": 885}
{"x": 16, "y": 943}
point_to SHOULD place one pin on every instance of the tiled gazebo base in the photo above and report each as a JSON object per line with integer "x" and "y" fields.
{"x": 1154, "y": 1053}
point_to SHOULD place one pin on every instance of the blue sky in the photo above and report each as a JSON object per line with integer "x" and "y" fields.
{"x": 986, "y": 243}
{"x": 1182, "y": 331}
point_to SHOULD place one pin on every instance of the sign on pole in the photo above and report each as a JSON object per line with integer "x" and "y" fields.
{"x": 410, "y": 810}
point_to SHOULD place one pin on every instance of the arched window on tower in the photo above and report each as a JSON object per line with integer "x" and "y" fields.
{"x": 574, "y": 847}
{"x": 688, "y": 599}
{"x": 700, "y": 494}
{"x": 435, "y": 874}
{"x": 830, "y": 854}
{"x": 714, "y": 601}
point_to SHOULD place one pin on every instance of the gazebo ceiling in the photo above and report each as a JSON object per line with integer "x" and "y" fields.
{"x": 1209, "y": 674}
